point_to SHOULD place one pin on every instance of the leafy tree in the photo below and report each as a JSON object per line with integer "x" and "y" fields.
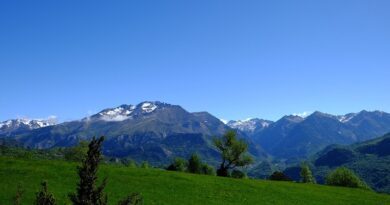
{"x": 233, "y": 153}
{"x": 344, "y": 177}
{"x": 88, "y": 193}
{"x": 44, "y": 197}
{"x": 178, "y": 164}
{"x": 207, "y": 170}
{"x": 18, "y": 195}
{"x": 194, "y": 164}
{"x": 306, "y": 175}
{"x": 77, "y": 153}
{"x": 279, "y": 176}
{"x": 145, "y": 164}
{"x": 132, "y": 199}
{"x": 238, "y": 174}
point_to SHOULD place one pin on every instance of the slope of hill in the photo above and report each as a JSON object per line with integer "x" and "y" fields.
{"x": 165, "y": 187}
{"x": 370, "y": 160}
{"x": 152, "y": 131}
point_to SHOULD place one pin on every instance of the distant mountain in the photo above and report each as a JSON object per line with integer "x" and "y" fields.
{"x": 369, "y": 159}
{"x": 297, "y": 137}
{"x": 152, "y": 131}
{"x": 249, "y": 126}
{"x": 14, "y": 126}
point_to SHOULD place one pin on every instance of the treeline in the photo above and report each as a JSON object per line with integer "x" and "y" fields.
{"x": 341, "y": 176}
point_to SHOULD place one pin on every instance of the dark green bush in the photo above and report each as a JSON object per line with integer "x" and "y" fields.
{"x": 344, "y": 177}
{"x": 238, "y": 174}
{"x": 279, "y": 176}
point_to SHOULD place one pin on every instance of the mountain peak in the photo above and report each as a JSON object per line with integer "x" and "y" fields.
{"x": 249, "y": 124}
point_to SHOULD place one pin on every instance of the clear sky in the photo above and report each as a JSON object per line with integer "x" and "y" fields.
{"x": 234, "y": 59}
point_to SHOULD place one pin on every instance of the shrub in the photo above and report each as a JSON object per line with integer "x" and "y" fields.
{"x": 208, "y": 170}
{"x": 18, "y": 195}
{"x": 145, "y": 164}
{"x": 238, "y": 174}
{"x": 279, "y": 176}
{"x": 44, "y": 197}
{"x": 132, "y": 199}
{"x": 346, "y": 178}
{"x": 178, "y": 164}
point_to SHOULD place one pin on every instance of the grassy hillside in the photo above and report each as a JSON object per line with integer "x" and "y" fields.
{"x": 164, "y": 187}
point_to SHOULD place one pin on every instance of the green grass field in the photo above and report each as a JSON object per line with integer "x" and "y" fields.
{"x": 164, "y": 187}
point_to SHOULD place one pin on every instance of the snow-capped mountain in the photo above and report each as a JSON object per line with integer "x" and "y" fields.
{"x": 250, "y": 125}
{"x": 17, "y": 125}
{"x": 125, "y": 112}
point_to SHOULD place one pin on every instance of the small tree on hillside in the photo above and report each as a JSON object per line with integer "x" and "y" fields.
{"x": 306, "y": 175}
{"x": 18, "y": 195}
{"x": 44, "y": 197}
{"x": 194, "y": 164}
{"x": 88, "y": 193}
{"x": 345, "y": 177}
{"x": 132, "y": 199}
{"x": 233, "y": 153}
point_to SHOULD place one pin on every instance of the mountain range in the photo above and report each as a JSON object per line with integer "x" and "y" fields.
{"x": 152, "y": 131}
{"x": 157, "y": 132}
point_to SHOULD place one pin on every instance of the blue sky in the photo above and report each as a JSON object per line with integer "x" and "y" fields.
{"x": 235, "y": 59}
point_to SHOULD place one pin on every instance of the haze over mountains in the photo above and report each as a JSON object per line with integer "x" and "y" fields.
{"x": 157, "y": 132}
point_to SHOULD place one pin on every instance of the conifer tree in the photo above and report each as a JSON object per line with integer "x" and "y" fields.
{"x": 306, "y": 174}
{"x": 88, "y": 193}
{"x": 44, "y": 197}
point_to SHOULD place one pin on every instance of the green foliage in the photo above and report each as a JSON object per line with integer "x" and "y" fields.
{"x": 238, "y": 174}
{"x": 129, "y": 163}
{"x": 194, "y": 164}
{"x": 279, "y": 176}
{"x": 77, "y": 153}
{"x": 233, "y": 152}
{"x": 44, "y": 197}
{"x": 145, "y": 165}
{"x": 18, "y": 195}
{"x": 173, "y": 188}
{"x": 306, "y": 175}
{"x": 178, "y": 164}
{"x": 87, "y": 191}
{"x": 132, "y": 199}
{"x": 345, "y": 177}
{"x": 207, "y": 170}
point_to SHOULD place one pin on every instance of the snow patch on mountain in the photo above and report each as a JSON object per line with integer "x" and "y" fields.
{"x": 346, "y": 118}
{"x": 249, "y": 125}
{"x": 120, "y": 113}
{"x": 148, "y": 107}
{"x": 14, "y": 124}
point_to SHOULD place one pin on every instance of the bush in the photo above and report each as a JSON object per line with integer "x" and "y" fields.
{"x": 238, "y": 174}
{"x": 133, "y": 199}
{"x": 17, "y": 199}
{"x": 346, "y": 178}
{"x": 44, "y": 197}
{"x": 208, "y": 170}
{"x": 194, "y": 164}
{"x": 279, "y": 176}
{"x": 178, "y": 164}
{"x": 145, "y": 164}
